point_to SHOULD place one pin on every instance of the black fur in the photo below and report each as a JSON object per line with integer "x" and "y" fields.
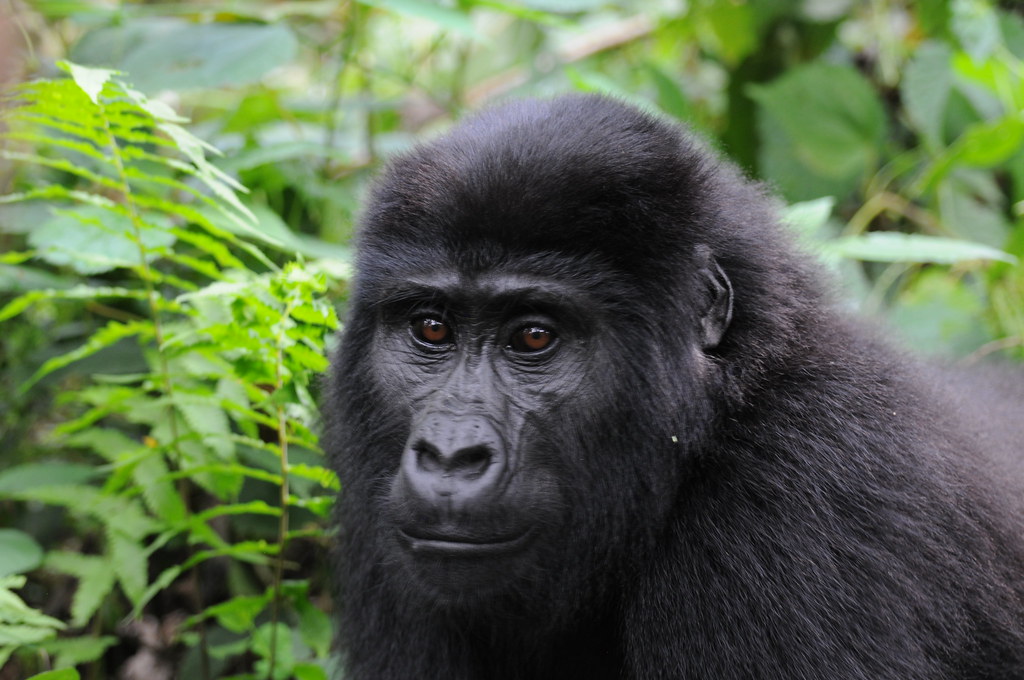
{"x": 720, "y": 483}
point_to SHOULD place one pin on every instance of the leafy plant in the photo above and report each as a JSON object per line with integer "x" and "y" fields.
{"x": 214, "y": 406}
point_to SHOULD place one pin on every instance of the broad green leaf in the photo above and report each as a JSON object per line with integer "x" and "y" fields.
{"x": 838, "y": 126}
{"x": 30, "y": 475}
{"x": 732, "y": 26}
{"x": 309, "y": 671}
{"x": 171, "y": 54}
{"x": 925, "y": 88}
{"x": 1012, "y": 27}
{"x": 795, "y": 179}
{"x": 92, "y": 240}
{"x": 563, "y": 6}
{"x": 938, "y": 311}
{"x": 890, "y": 246}
{"x": 671, "y": 98}
{"x": 976, "y": 25}
{"x": 808, "y": 218}
{"x": 61, "y": 674}
{"x": 450, "y": 19}
{"x": 262, "y": 639}
{"x": 990, "y": 143}
{"x": 314, "y": 625}
{"x": 19, "y": 552}
{"x": 971, "y": 204}
{"x": 21, "y": 279}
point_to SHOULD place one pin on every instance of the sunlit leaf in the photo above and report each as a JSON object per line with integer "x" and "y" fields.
{"x": 899, "y": 247}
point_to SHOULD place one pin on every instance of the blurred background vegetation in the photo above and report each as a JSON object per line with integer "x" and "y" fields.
{"x": 147, "y": 534}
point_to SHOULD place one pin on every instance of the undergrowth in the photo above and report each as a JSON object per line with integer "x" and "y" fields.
{"x": 190, "y": 476}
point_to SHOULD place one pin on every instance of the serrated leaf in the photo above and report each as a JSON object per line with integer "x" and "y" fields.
{"x": 91, "y": 80}
{"x": 107, "y": 336}
{"x": 20, "y": 304}
{"x": 238, "y": 613}
{"x": 321, "y": 315}
{"x": 307, "y": 358}
{"x": 323, "y": 476}
{"x": 129, "y": 561}
{"x": 95, "y": 581}
{"x": 19, "y": 623}
{"x": 109, "y": 443}
{"x": 125, "y": 512}
{"x": 205, "y": 417}
{"x": 151, "y": 475}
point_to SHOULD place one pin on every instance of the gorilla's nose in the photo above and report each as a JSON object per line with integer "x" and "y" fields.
{"x": 454, "y": 456}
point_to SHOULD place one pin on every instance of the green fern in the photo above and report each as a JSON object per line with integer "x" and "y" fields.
{"x": 232, "y": 342}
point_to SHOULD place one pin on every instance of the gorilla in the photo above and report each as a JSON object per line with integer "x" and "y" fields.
{"x": 596, "y": 417}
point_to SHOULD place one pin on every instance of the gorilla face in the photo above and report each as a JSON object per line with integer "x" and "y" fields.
{"x": 483, "y": 366}
{"x": 518, "y": 414}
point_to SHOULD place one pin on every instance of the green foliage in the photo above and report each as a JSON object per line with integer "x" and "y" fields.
{"x": 20, "y": 624}
{"x": 229, "y": 342}
{"x": 161, "y": 326}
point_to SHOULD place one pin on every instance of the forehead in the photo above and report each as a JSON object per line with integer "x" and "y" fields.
{"x": 544, "y": 279}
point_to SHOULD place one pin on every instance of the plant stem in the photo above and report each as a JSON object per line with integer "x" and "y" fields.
{"x": 152, "y": 296}
{"x": 282, "y": 526}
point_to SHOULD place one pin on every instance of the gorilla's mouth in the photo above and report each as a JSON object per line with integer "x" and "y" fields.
{"x": 452, "y": 545}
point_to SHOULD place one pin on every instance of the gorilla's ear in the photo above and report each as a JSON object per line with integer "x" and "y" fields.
{"x": 714, "y": 306}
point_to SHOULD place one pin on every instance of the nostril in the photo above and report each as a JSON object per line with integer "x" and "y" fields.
{"x": 469, "y": 461}
{"x": 473, "y": 460}
{"x": 428, "y": 458}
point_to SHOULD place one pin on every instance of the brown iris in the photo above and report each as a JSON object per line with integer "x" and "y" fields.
{"x": 532, "y": 339}
{"x": 432, "y": 331}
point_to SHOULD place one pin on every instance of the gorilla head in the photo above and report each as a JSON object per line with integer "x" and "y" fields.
{"x": 593, "y": 419}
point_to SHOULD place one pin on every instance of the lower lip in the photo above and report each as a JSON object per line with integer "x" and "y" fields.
{"x": 443, "y": 548}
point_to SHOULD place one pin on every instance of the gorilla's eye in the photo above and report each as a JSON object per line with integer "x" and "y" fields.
{"x": 432, "y": 331}
{"x": 531, "y": 339}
